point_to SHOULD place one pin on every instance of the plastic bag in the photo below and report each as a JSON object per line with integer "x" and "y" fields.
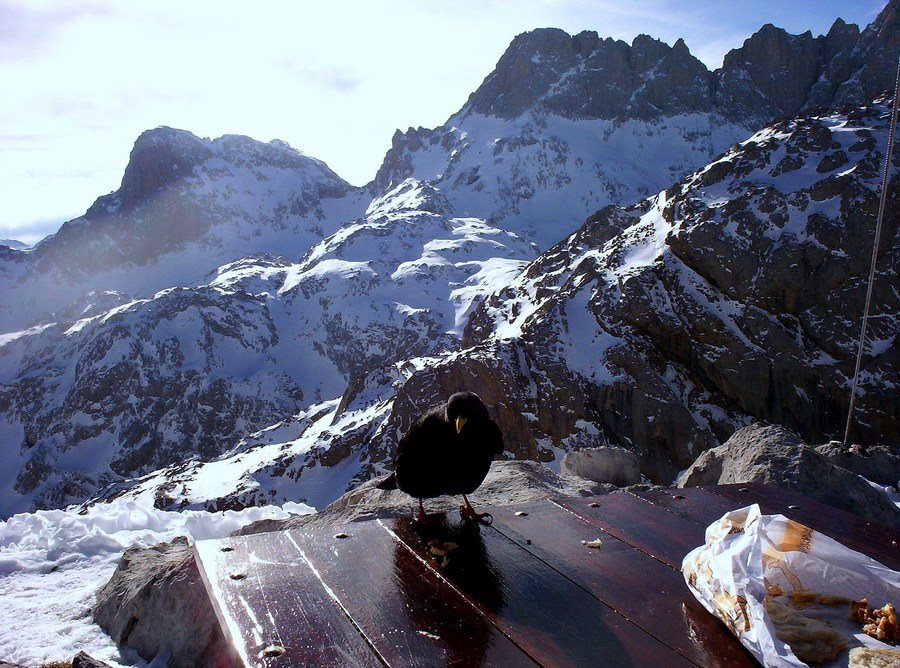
{"x": 748, "y": 556}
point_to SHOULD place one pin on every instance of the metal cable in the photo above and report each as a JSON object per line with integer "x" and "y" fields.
{"x": 878, "y": 224}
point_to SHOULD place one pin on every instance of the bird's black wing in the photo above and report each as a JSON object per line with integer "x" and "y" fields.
{"x": 493, "y": 437}
{"x": 421, "y": 461}
{"x": 388, "y": 483}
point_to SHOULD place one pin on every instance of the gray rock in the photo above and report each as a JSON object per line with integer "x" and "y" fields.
{"x": 877, "y": 463}
{"x": 508, "y": 483}
{"x": 84, "y": 660}
{"x": 613, "y": 465}
{"x": 777, "y": 456}
{"x": 156, "y": 603}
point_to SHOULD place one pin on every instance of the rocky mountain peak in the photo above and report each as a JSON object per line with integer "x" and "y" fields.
{"x": 771, "y": 72}
{"x": 159, "y": 158}
{"x": 586, "y": 77}
{"x": 411, "y": 196}
{"x": 872, "y": 62}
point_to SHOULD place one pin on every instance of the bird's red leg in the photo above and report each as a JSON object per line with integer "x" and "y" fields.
{"x": 422, "y": 516}
{"x": 469, "y": 513}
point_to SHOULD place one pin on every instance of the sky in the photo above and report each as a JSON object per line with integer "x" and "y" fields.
{"x": 81, "y": 79}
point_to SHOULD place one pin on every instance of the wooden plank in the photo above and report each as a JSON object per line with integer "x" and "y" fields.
{"x": 871, "y": 538}
{"x": 651, "y": 529}
{"x": 640, "y": 588}
{"x": 695, "y": 504}
{"x": 267, "y": 597}
{"x": 410, "y": 614}
{"x": 554, "y": 620}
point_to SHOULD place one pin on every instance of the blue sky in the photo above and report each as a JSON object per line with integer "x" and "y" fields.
{"x": 83, "y": 78}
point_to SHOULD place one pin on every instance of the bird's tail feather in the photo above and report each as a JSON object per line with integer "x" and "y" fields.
{"x": 388, "y": 483}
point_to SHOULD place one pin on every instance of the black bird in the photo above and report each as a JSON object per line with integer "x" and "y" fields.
{"x": 447, "y": 451}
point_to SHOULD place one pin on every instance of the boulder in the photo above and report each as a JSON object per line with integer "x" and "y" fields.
{"x": 876, "y": 463}
{"x": 85, "y": 660}
{"x": 612, "y": 465}
{"x": 774, "y": 455}
{"x": 156, "y": 603}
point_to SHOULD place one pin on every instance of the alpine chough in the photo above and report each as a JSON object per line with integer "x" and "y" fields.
{"x": 447, "y": 451}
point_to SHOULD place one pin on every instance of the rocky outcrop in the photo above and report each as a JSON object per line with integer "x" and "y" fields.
{"x": 586, "y": 77}
{"x": 774, "y": 455}
{"x": 872, "y": 61}
{"x": 878, "y": 463}
{"x": 774, "y": 74}
{"x": 724, "y": 299}
{"x": 156, "y": 603}
{"x": 616, "y": 466}
{"x": 85, "y": 660}
{"x": 771, "y": 74}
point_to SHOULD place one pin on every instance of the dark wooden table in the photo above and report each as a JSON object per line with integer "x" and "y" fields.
{"x": 522, "y": 591}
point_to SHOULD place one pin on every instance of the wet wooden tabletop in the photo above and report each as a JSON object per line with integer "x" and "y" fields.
{"x": 523, "y": 591}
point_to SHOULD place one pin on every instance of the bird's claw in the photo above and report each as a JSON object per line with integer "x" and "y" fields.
{"x": 470, "y": 514}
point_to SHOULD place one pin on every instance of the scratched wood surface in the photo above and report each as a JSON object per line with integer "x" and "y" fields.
{"x": 648, "y": 592}
{"x": 876, "y": 540}
{"x": 555, "y": 620}
{"x": 273, "y": 607}
{"x": 522, "y": 592}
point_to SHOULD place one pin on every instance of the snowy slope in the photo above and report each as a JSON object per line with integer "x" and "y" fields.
{"x": 540, "y": 175}
{"x": 734, "y": 295}
{"x": 185, "y": 207}
{"x": 129, "y": 386}
{"x": 52, "y": 563}
{"x": 234, "y": 295}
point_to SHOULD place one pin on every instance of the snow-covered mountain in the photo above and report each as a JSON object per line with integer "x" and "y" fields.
{"x": 733, "y": 295}
{"x": 185, "y": 207}
{"x": 236, "y": 324}
{"x": 565, "y": 125}
{"x": 139, "y": 384}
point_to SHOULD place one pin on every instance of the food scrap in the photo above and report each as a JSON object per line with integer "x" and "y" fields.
{"x": 442, "y": 550}
{"x": 439, "y": 549}
{"x": 871, "y": 657}
{"x": 803, "y": 598}
{"x": 596, "y": 543}
{"x": 811, "y": 640}
{"x": 879, "y": 623}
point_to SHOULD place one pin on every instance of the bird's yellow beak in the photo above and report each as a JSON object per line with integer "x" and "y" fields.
{"x": 460, "y": 423}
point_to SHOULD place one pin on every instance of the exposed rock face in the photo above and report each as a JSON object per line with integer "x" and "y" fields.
{"x": 872, "y": 61}
{"x": 723, "y": 299}
{"x": 771, "y": 74}
{"x": 774, "y": 455}
{"x": 774, "y": 74}
{"x": 156, "y": 603}
{"x": 617, "y": 466}
{"x": 160, "y": 158}
{"x": 879, "y": 464}
{"x": 604, "y": 78}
